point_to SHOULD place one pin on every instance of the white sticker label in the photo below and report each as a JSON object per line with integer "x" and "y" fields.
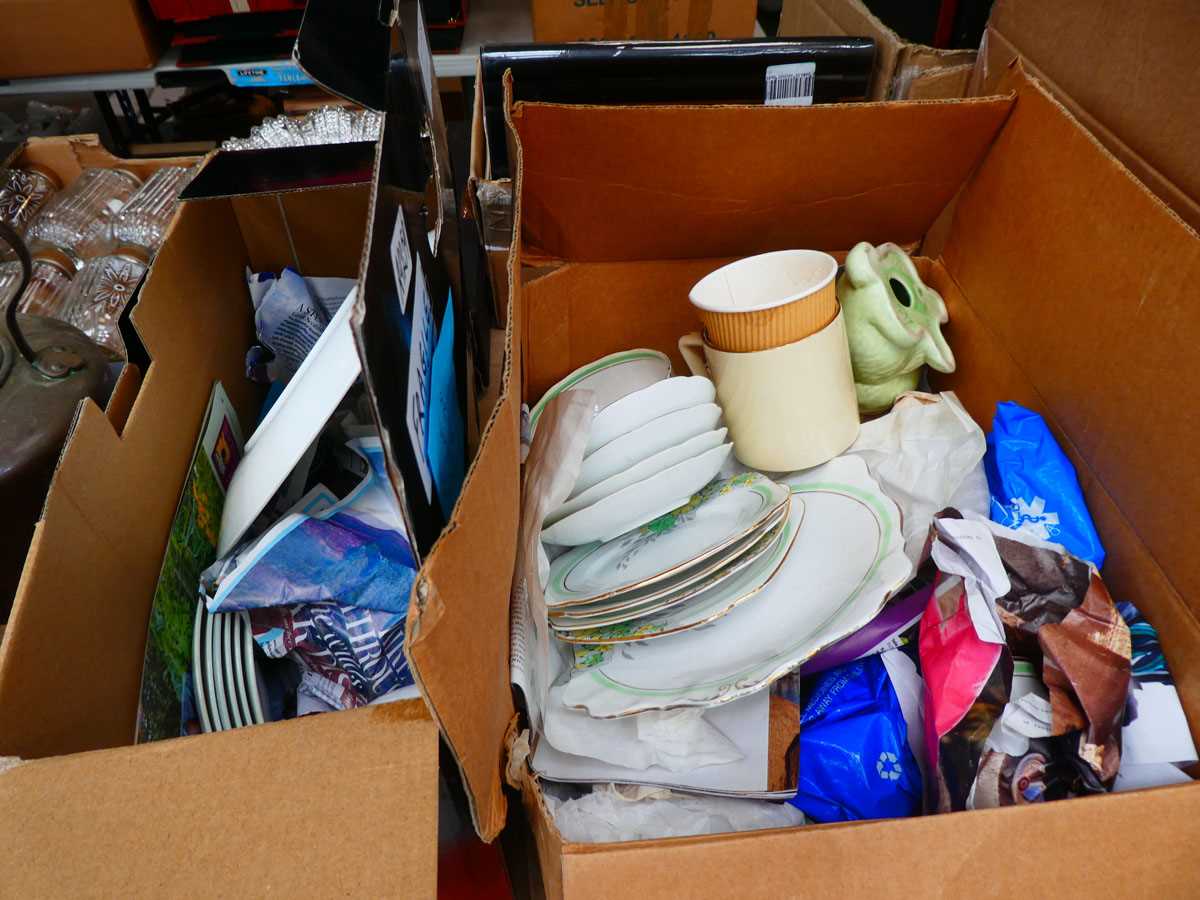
{"x": 401, "y": 260}
{"x": 791, "y": 84}
{"x": 420, "y": 365}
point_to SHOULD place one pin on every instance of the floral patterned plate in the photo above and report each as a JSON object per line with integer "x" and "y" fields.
{"x": 745, "y": 553}
{"x": 705, "y": 606}
{"x": 715, "y": 517}
{"x": 848, "y": 557}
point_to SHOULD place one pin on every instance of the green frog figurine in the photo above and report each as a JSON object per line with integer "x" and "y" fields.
{"x": 893, "y": 322}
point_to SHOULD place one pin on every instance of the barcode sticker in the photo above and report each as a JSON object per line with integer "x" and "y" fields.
{"x": 791, "y": 84}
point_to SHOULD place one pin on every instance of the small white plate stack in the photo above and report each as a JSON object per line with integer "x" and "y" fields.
{"x": 649, "y": 450}
{"x": 228, "y": 686}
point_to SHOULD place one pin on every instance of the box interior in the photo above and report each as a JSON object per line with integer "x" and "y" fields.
{"x": 183, "y": 814}
{"x": 99, "y": 545}
{"x": 1066, "y": 283}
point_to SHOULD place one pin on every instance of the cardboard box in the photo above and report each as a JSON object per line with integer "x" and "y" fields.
{"x": 1127, "y": 71}
{"x": 558, "y": 21}
{"x": 337, "y": 803}
{"x": 903, "y": 70}
{"x": 66, "y": 157}
{"x": 68, "y": 37}
{"x": 1034, "y": 318}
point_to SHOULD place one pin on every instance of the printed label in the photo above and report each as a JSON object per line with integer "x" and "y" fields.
{"x": 401, "y": 260}
{"x": 791, "y": 84}
{"x": 420, "y": 365}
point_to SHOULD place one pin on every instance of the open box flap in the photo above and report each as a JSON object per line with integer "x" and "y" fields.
{"x": 684, "y": 182}
{"x": 1100, "y": 317}
{"x": 252, "y": 811}
{"x": 1127, "y": 71}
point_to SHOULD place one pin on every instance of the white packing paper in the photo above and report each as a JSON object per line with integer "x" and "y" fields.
{"x": 926, "y": 454}
{"x": 729, "y": 754}
{"x": 966, "y": 548}
{"x": 607, "y": 814}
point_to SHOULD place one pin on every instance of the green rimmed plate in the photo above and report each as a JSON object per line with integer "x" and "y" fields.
{"x": 611, "y": 378}
{"x": 714, "y": 518}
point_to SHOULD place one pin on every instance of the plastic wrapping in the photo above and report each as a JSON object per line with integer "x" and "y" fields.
{"x": 1033, "y": 485}
{"x": 855, "y": 759}
{"x": 610, "y": 813}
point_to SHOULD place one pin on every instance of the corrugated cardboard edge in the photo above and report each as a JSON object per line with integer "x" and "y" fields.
{"x": 449, "y": 581}
{"x": 900, "y": 66}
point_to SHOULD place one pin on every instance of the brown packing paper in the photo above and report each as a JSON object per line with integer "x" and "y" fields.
{"x": 1086, "y": 668}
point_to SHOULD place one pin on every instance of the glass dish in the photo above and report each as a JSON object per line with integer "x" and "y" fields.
{"x": 99, "y": 293}
{"x": 23, "y": 192}
{"x": 52, "y": 274}
{"x": 78, "y": 220}
{"x": 144, "y": 219}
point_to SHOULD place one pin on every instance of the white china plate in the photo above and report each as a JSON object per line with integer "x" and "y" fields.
{"x": 610, "y": 378}
{"x": 639, "y": 503}
{"x": 239, "y": 668}
{"x": 227, "y": 650}
{"x": 287, "y": 431}
{"x": 198, "y": 668}
{"x": 636, "y": 409}
{"x": 656, "y": 436}
{"x": 720, "y": 515}
{"x": 659, "y": 462}
{"x": 214, "y": 673}
{"x": 689, "y": 582}
{"x": 709, "y": 599}
{"x": 848, "y": 557}
{"x": 255, "y": 685}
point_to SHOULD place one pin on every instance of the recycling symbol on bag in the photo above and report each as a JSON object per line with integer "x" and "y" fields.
{"x": 888, "y": 766}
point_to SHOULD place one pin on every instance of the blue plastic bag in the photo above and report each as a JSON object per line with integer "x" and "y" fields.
{"x": 1033, "y": 484}
{"x": 855, "y": 762}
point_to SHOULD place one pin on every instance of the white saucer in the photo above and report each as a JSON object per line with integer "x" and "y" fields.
{"x": 636, "y": 409}
{"x": 639, "y": 503}
{"x": 654, "y": 437}
{"x": 610, "y": 378}
{"x": 659, "y": 462}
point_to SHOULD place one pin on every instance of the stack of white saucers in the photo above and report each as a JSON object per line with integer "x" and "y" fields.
{"x": 229, "y": 688}
{"x": 685, "y": 569}
{"x": 648, "y": 452}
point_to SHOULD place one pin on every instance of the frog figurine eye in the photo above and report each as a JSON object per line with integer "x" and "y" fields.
{"x": 893, "y": 322}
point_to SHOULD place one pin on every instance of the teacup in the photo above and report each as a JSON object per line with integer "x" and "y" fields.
{"x": 767, "y": 300}
{"x": 787, "y": 408}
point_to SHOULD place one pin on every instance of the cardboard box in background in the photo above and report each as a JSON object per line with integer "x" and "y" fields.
{"x": 1129, "y": 71}
{"x": 903, "y": 70}
{"x": 332, "y": 802}
{"x": 66, "y": 157}
{"x": 1030, "y": 313}
{"x": 558, "y": 21}
{"x": 69, "y": 37}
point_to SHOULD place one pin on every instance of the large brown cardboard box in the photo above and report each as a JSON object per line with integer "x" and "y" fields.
{"x": 329, "y": 805}
{"x": 557, "y": 21}
{"x": 1070, "y": 291}
{"x": 1129, "y": 71}
{"x": 68, "y": 37}
{"x": 903, "y": 70}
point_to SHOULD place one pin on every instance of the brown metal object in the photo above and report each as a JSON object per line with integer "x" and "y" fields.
{"x": 46, "y": 368}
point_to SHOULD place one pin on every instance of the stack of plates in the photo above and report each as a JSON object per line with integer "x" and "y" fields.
{"x": 682, "y": 570}
{"x": 228, "y": 686}
{"x": 648, "y": 452}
